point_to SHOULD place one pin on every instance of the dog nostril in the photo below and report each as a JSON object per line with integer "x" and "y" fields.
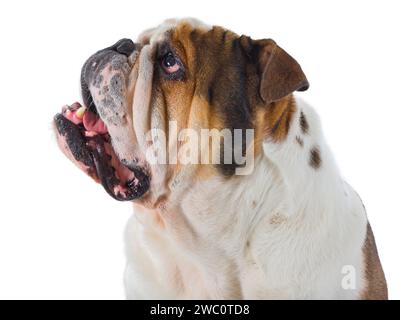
{"x": 125, "y": 47}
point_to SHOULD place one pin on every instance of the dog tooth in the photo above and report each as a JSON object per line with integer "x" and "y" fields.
{"x": 80, "y": 112}
{"x": 90, "y": 134}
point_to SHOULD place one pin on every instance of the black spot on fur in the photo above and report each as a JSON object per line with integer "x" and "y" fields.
{"x": 315, "y": 158}
{"x": 303, "y": 123}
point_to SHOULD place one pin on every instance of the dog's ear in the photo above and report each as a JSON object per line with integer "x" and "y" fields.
{"x": 280, "y": 74}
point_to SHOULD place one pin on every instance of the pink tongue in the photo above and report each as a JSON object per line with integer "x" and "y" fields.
{"x": 93, "y": 122}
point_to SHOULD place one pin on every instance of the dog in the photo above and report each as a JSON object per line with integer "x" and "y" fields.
{"x": 282, "y": 224}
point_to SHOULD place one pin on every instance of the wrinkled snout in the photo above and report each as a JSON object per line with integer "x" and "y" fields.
{"x": 117, "y": 54}
{"x": 105, "y": 82}
{"x": 118, "y": 58}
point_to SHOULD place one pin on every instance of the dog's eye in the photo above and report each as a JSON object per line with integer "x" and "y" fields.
{"x": 170, "y": 63}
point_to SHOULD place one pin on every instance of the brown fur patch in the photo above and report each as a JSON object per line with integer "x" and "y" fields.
{"x": 220, "y": 75}
{"x": 376, "y": 288}
{"x": 315, "y": 158}
{"x": 303, "y": 123}
{"x": 278, "y": 118}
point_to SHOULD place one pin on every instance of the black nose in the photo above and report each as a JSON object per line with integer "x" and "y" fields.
{"x": 124, "y": 46}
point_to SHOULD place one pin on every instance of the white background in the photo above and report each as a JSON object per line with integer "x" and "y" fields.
{"x": 61, "y": 235}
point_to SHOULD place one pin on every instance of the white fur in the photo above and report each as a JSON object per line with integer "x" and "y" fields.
{"x": 283, "y": 232}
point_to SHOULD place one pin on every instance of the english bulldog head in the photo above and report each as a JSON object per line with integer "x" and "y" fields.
{"x": 185, "y": 77}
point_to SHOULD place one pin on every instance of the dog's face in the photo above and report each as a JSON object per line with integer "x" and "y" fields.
{"x": 183, "y": 77}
